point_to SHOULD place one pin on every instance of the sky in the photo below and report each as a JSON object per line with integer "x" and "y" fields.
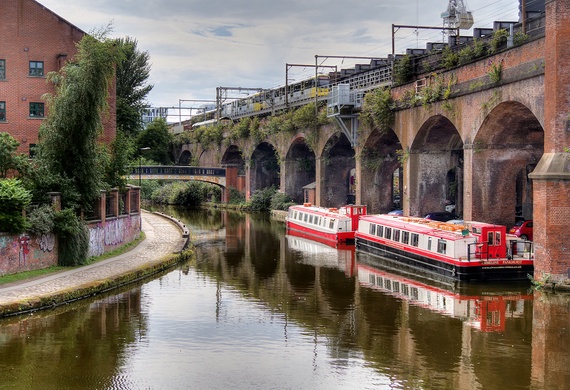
{"x": 196, "y": 46}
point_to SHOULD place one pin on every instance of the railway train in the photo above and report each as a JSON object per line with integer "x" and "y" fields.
{"x": 362, "y": 77}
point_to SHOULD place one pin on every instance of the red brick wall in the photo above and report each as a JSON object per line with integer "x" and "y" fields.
{"x": 31, "y": 32}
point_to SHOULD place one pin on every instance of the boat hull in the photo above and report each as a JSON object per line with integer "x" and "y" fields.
{"x": 474, "y": 271}
{"x": 331, "y": 239}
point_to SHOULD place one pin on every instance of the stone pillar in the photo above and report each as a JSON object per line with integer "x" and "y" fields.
{"x": 248, "y": 182}
{"x": 231, "y": 182}
{"x": 55, "y": 200}
{"x": 551, "y": 178}
{"x": 319, "y": 180}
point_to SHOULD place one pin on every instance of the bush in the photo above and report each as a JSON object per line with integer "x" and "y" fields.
{"x": 73, "y": 238}
{"x": 41, "y": 219}
{"x": 236, "y": 197}
{"x": 281, "y": 201}
{"x": 14, "y": 198}
{"x": 261, "y": 199}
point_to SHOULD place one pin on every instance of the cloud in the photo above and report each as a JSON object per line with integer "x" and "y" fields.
{"x": 196, "y": 46}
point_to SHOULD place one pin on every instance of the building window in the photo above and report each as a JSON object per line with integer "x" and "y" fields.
{"x": 2, "y": 111}
{"x": 36, "y": 68}
{"x": 2, "y": 69}
{"x": 37, "y": 110}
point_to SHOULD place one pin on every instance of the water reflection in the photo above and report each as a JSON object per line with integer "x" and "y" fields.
{"x": 261, "y": 309}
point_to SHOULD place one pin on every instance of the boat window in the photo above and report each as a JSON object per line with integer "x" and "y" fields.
{"x": 372, "y": 229}
{"x": 429, "y": 244}
{"x": 387, "y": 284}
{"x": 379, "y": 281}
{"x": 415, "y": 239}
{"x": 324, "y": 222}
{"x": 396, "y": 235}
{"x": 310, "y": 219}
{"x": 405, "y": 289}
{"x": 305, "y": 218}
{"x": 388, "y": 233}
{"x": 331, "y": 224}
{"x": 476, "y": 230}
{"x": 405, "y": 237}
{"x": 414, "y": 293}
{"x": 380, "y": 230}
{"x": 490, "y": 239}
{"x": 441, "y": 246}
{"x": 396, "y": 286}
{"x": 498, "y": 238}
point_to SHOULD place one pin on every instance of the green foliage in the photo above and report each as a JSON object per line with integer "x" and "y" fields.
{"x": 450, "y": 58}
{"x": 68, "y": 136}
{"x": 190, "y": 194}
{"x": 281, "y": 201}
{"x": 305, "y": 118}
{"x": 377, "y": 110}
{"x": 496, "y": 72}
{"x": 241, "y": 130}
{"x": 41, "y": 219}
{"x": 73, "y": 238}
{"x": 498, "y": 41}
{"x": 236, "y": 197}
{"x": 403, "y": 71}
{"x": 156, "y": 137}
{"x": 132, "y": 88}
{"x": 261, "y": 199}
{"x": 11, "y": 162}
{"x": 466, "y": 55}
{"x": 119, "y": 162}
{"x": 479, "y": 47}
{"x": 519, "y": 38}
{"x": 14, "y": 198}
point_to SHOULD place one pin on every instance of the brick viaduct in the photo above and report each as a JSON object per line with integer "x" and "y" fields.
{"x": 491, "y": 146}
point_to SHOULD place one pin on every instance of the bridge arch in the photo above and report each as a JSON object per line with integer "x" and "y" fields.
{"x": 381, "y": 172}
{"x": 185, "y": 158}
{"x": 300, "y": 169}
{"x": 264, "y": 168}
{"x": 435, "y": 167}
{"x": 507, "y": 147}
{"x": 338, "y": 172}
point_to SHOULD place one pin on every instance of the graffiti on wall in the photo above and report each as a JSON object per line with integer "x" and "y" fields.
{"x": 46, "y": 242}
{"x": 114, "y": 232}
{"x": 26, "y": 252}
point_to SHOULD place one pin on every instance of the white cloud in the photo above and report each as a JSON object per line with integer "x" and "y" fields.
{"x": 196, "y": 46}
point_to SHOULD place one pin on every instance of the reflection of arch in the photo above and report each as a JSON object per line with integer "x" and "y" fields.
{"x": 508, "y": 145}
{"x": 379, "y": 162}
{"x": 300, "y": 168}
{"x": 337, "y": 161}
{"x": 437, "y": 148}
{"x": 264, "y": 168}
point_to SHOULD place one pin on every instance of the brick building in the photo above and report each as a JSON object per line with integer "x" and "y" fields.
{"x": 35, "y": 41}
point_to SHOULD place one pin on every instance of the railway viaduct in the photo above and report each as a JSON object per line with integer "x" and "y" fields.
{"x": 495, "y": 142}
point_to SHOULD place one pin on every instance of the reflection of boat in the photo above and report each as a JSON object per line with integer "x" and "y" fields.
{"x": 322, "y": 255}
{"x": 483, "y": 310}
{"x": 331, "y": 226}
{"x": 474, "y": 252}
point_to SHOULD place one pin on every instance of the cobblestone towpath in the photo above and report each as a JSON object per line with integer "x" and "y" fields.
{"x": 164, "y": 237}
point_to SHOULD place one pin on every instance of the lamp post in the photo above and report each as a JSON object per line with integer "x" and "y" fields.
{"x": 140, "y": 164}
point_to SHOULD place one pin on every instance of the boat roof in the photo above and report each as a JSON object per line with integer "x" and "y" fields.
{"x": 421, "y": 225}
{"x": 331, "y": 212}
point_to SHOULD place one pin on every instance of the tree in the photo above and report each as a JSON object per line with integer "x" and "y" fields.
{"x": 11, "y": 163}
{"x": 68, "y": 137}
{"x": 156, "y": 137}
{"x": 132, "y": 88}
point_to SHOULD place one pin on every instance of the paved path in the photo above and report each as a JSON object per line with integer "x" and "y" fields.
{"x": 163, "y": 237}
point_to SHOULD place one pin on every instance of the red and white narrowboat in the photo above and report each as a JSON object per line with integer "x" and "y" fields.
{"x": 331, "y": 226}
{"x": 475, "y": 251}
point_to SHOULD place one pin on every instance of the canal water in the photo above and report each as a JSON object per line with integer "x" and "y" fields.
{"x": 262, "y": 310}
